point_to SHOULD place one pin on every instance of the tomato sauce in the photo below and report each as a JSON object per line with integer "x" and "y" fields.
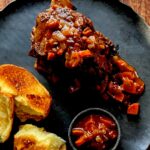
{"x": 96, "y": 132}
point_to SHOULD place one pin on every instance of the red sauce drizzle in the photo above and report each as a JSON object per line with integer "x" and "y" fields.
{"x": 96, "y": 132}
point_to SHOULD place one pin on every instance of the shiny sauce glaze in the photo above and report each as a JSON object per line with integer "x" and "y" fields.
{"x": 95, "y": 132}
{"x": 66, "y": 39}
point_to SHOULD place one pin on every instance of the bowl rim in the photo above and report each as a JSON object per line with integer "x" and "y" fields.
{"x": 94, "y": 109}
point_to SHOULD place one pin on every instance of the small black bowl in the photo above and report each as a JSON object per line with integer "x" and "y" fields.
{"x": 87, "y": 112}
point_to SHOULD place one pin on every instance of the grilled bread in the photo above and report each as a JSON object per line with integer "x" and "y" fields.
{"x": 6, "y": 116}
{"x": 30, "y": 137}
{"x": 32, "y": 100}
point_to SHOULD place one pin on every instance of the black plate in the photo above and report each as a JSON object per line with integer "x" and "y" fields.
{"x": 116, "y": 21}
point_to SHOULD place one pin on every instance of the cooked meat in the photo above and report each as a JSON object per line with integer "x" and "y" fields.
{"x": 32, "y": 100}
{"x": 71, "y": 52}
{"x": 30, "y": 137}
{"x": 6, "y": 116}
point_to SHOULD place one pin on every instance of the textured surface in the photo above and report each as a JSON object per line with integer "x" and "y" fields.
{"x": 116, "y": 21}
{"x": 5, "y": 3}
{"x": 141, "y": 7}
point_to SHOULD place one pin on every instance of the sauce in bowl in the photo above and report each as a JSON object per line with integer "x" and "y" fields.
{"x": 94, "y": 131}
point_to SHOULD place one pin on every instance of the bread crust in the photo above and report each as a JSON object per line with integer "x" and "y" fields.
{"x": 32, "y": 100}
{"x": 30, "y": 137}
{"x": 6, "y": 115}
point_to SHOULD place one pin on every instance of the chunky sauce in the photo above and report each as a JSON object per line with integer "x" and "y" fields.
{"x": 96, "y": 132}
{"x": 66, "y": 39}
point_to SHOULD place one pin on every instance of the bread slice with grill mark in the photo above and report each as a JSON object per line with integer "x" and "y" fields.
{"x": 32, "y": 100}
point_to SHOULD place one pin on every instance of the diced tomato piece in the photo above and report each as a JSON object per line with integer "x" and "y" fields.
{"x": 115, "y": 91}
{"x": 87, "y": 31}
{"x": 85, "y": 53}
{"x": 114, "y": 88}
{"x": 133, "y": 109}
{"x": 119, "y": 97}
{"x": 50, "y": 56}
{"x": 129, "y": 86}
{"x": 60, "y": 52}
{"x": 52, "y": 24}
{"x": 140, "y": 85}
{"x": 133, "y": 87}
{"x": 130, "y": 75}
{"x": 107, "y": 122}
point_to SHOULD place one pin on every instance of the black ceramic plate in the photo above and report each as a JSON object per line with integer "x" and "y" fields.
{"x": 116, "y": 21}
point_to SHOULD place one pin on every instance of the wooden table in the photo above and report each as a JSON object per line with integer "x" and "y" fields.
{"x": 141, "y": 7}
{"x": 5, "y": 3}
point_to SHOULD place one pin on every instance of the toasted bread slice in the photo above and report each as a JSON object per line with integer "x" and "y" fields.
{"x": 32, "y": 106}
{"x": 6, "y": 116}
{"x": 30, "y": 137}
{"x": 32, "y": 100}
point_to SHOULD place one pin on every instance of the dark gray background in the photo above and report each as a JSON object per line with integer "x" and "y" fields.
{"x": 116, "y": 21}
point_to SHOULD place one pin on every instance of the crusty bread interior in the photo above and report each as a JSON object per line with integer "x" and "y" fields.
{"x": 6, "y": 116}
{"x": 32, "y": 100}
{"x": 37, "y": 139}
{"x": 31, "y": 107}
